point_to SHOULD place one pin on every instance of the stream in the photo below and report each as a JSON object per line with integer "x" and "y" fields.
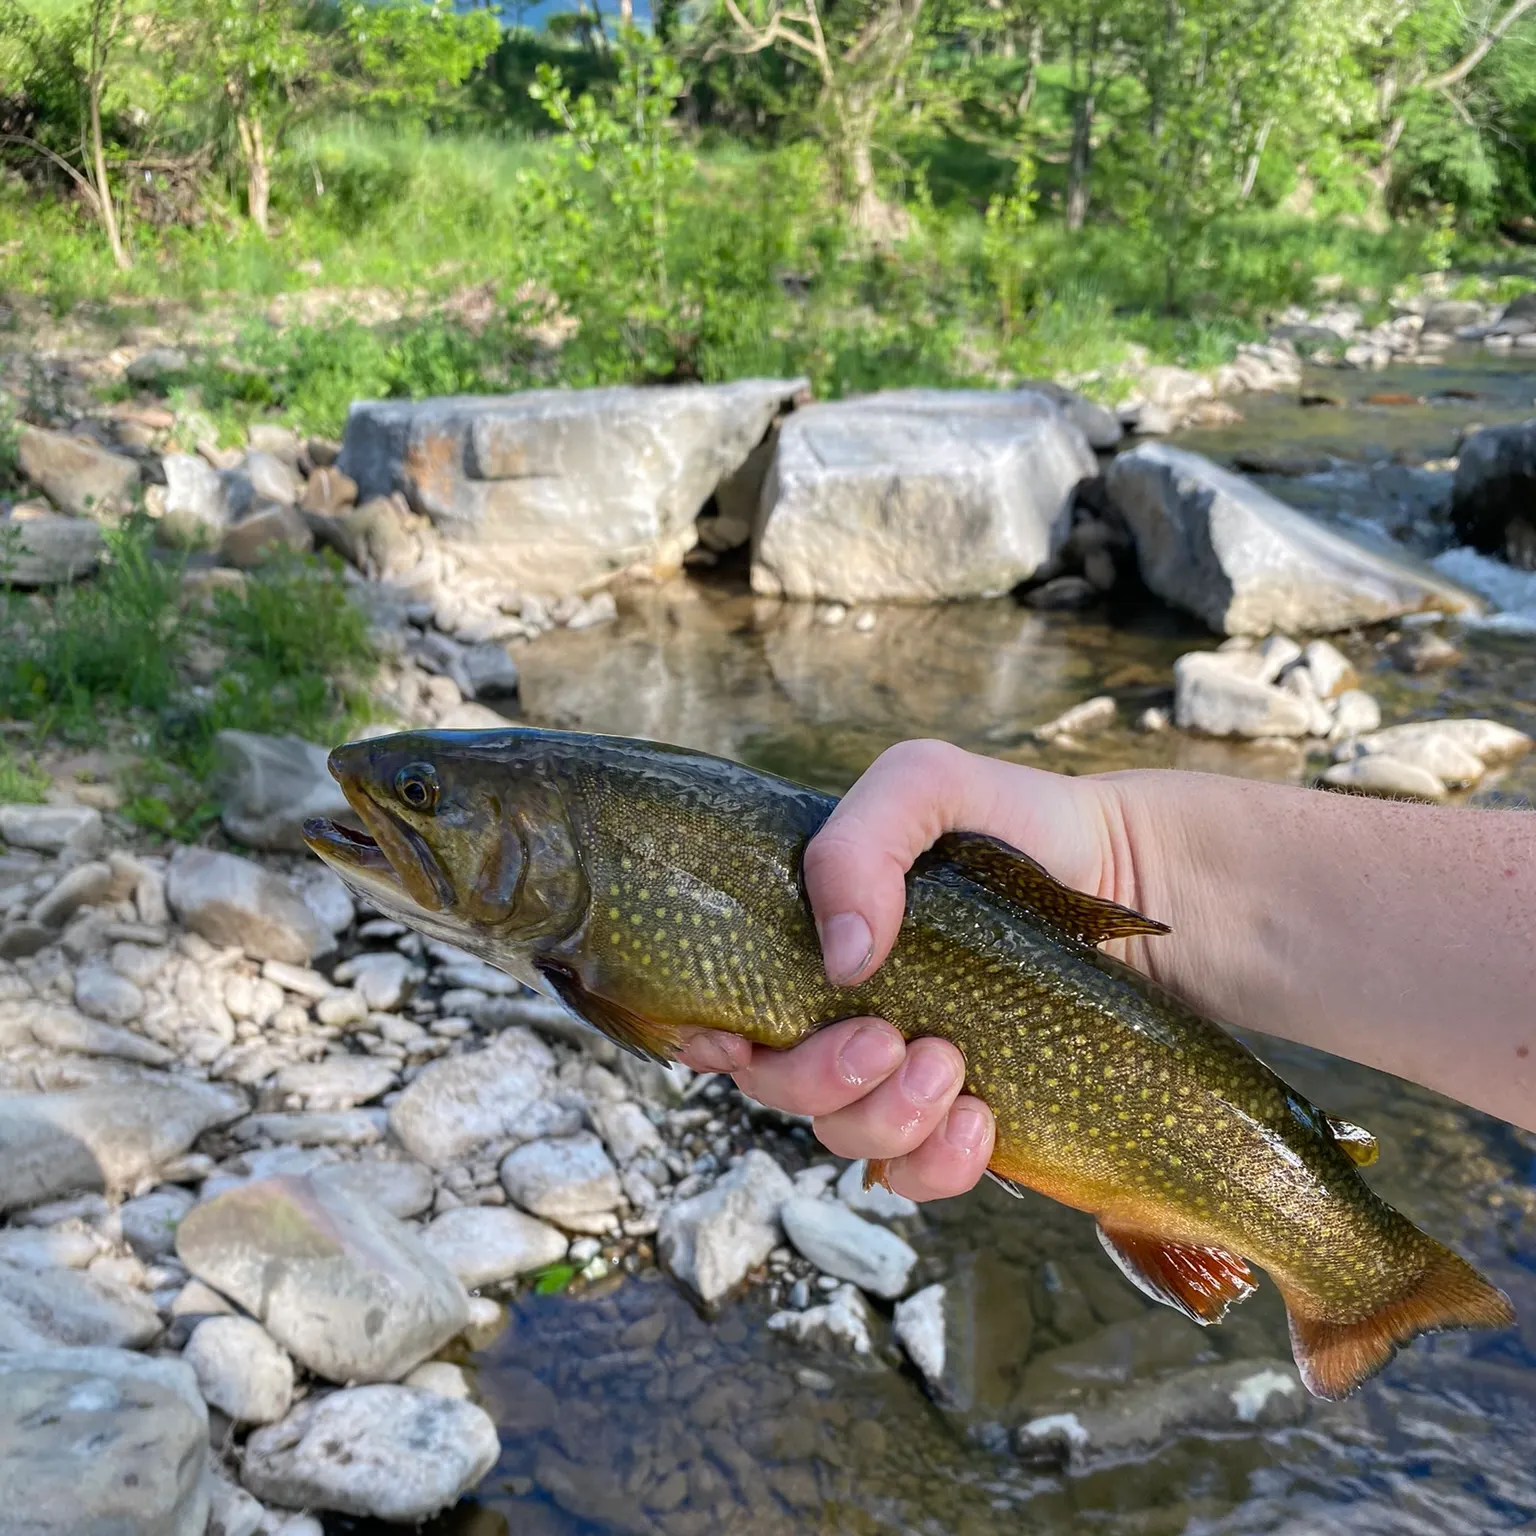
{"x": 623, "y": 1411}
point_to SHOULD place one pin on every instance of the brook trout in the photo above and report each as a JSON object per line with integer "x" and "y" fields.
{"x": 657, "y": 891}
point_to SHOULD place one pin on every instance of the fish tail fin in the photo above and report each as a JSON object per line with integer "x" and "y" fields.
{"x": 1335, "y": 1358}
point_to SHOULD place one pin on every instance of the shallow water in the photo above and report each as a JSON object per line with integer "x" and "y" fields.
{"x": 623, "y": 1411}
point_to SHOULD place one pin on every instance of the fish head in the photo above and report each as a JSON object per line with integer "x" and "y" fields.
{"x": 466, "y": 836}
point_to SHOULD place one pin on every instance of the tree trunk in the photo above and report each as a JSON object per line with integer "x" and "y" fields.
{"x": 258, "y": 173}
{"x": 1251, "y": 172}
{"x": 103, "y": 189}
{"x": 1080, "y": 161}
{"x": 1032, "y": 76}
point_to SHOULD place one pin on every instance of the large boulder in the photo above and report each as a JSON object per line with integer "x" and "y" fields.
{"x": 1231, "y": 554}
{"x": 1493, "y": 505}
{"x": 77, "y": 474}
{"x": 94, "y": 1441}
{"x": 918, "y": 495}
{"x": 556, "y": 489}
{"x": 345, "y": 1288}
{"x": 48, "y": 551}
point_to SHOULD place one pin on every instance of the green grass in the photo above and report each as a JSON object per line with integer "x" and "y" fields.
{"x": 22, "y": 782}
{"x": 128, "y": 656}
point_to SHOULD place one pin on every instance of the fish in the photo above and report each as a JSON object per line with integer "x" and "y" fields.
{"x": 657, "y": 891}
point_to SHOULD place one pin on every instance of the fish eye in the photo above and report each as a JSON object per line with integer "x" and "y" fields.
{"x": 417, "y": 786}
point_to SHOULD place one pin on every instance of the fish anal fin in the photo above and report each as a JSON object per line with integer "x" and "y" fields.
{"x": 877, "y": 1171}
{"x": 1354, "y": 1141}
{"x": 1335, "y": 1358}
{"x": 649, "y": 1039}
{"x": 1202, "y": 1283}
{"x": 1004, "y": 871}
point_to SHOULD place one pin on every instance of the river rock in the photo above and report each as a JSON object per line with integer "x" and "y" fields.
{"x": 149, "y": 1223}
{"x": 1217, "y": 692}
{"x": 348, "y": 1290}
{"x": 106, "y": 1137}
{"x": 269, "y": 785}
{"x": 1231, "y": 554}
{"x": 328, "y": 492}
{"x": 461, "y": 1105}
{"x": 393, "y": 1184}
{"x": 626, "y": 1129}
{"x": 41, "y": 1308}
{"x": 1458, "y": 752}
{"x": 65, "y": 1029}
{"x": 711, "y": 1240}
{"x": 840, "y": 1243}
{"x": 486, "y": 1244}
{"x": 1332, "y": 672}
{"x": 338, "y": 1128}
{"x": 385, "y": 978}
{"x": 48, "y": 551}
{"x": 196, "y": 506}
{"x": 381, "y": 1452}
{"x": 1230, "y": 1396}
{"x": 241, "y": 1370}
{"x": 917, "y": 495}
{"x": 1355, "y": 713}
{"x": 566, "y": 1179}
{"x": 441, "y": 1377}
{"x": 338, "y": 1082}
{"x": 232, "y": 1511}
{"x": 230, "y": 900}
{"x": 842, "y": 1325}
{"x": 97, "y": 1441}
{"x": 554, "y": 489}
{"x": 76, "y": 474}
{"x": 53, "y": 828}
{"x": 1493, "y": 505}
{"x": 84, "y": 886}
{"x": 104, "y": 994}
{"x": 267, "y": 530}
{"x": 877, "y": 1201}
{"x": 1100, "y": 425}
{"x": 919, "y": 1328}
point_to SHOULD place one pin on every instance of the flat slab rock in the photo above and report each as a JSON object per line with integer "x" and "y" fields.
{"x": 346, "y": 1289}
{"x": 917, "y": 496}
{"x": 102, "y": 1441}
{"x": 387, "y": 1452}
{"x": 1210, "y": 542}
{"x": 553, "y": 489}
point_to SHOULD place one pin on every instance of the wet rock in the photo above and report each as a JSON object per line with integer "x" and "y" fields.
{"x": 1458, "y": 752}
{"x": 101, "y": 1440}
{"x": 919, "y": 1329}
{"x": 230, "y": 900}
{"x": 269, "y": 785}
{"x": 567, "y": 1179}
{"x": 42, "y": 1308}
{"x": 268, "y": 530}
{"x": 76, "y": 474}
{"x": 841, "y": 1326}
{"x": 840, "y": 1243}
{"x": 917, "y": 495}
{"x": 551, "y": 490}
{"x": 52, "y": 828}
{"x": 1231, "y": 1396}
{"x": 1245, "y": 563}
{"x": 1423, "y": 651}
{"x": 149, "y": 1223}
{"x": 711, "y": 1240}
{"x": 877, "y": 1201}
{"x": 484, "y": 1244}
{"x": 241, "y": 1370}
{"x": 459, "y": 1106}
{"x": 50, "y": 551}
{"x": 349, "y": 1291}
{"x": 1218, "y": 693}
{"x": 386, "y": 1452}
{"x": 1493, "y": 506}
{"x": 338, "y": 1082}
{"x": 102, "y": 1137}
{"x": 196, "y": 507}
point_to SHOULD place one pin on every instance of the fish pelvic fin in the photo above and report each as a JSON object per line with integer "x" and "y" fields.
{"x": 1003, "y": 871}
{"x": 1202, "y": 1283}
{"x": 649, "y": 1039}
{"x": 1354, "y": 1141}
{"x": 1336, "y": 1358}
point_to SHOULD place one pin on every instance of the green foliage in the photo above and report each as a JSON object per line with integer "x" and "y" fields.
{"x": 1005, "y": 247}
{"x": 553, "y": 1279}
{"x": 22, "y": 782}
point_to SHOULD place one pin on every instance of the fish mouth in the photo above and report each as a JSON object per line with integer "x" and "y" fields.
{"x": 388, "y": 858}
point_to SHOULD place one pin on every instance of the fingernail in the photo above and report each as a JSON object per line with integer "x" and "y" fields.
{"x": 716, "y": 1052}
{"x": 966, "y": 1128}
{"x": 869, "y": 1052}
{"x": 846, "y": 946}
{"x": 928, "y": 1075}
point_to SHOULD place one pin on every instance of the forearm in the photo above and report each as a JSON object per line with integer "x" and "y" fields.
{"x": 1396, "y": 935}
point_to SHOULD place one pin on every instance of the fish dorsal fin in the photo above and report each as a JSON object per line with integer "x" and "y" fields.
{"x": 648, "y": 1039}
{"x": 1202, "y": 1283}
{"x": 1004, "y": 871}
{"x": 1354, "y": 1141}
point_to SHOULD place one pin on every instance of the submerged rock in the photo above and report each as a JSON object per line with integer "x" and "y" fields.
{"x": 842, "y": 1325}
{"x": 920, "y": 1330}
{"x": 917, "y": 495}
{"x": 101, "y": 1440}
{"x": 711, "y": 1240}
{"x": 877, "y": 1200}
{"x": 1247, "y": 564}
{"x": 348, "y": 1290}
{"x": 383, "y": 1452}
{"x": 840, "y": 1243}
{"x": 1493, "y": 506}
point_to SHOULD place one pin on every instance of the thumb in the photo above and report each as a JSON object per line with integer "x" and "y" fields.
{"x": 856, "y": 865}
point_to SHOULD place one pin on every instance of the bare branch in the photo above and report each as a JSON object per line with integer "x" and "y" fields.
{"x": 30, "y": 143}
{"x": 1484, "y": 46}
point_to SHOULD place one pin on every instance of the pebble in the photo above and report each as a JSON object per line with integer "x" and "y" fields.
{"x": 149, "y": 1223}
{"x": 335, "y": 1128}
{"x": 104, "y": 994}
{"x": 1085, "y": 719}
{"x": 570, "y": 1180}
{"x": 241, "y": 1369}
{"x": 300, "y": 979}
{"x": 43, "y": 1308}
{"x": 83, "y": 886}
{"x": 441, "y": 1377}
{"x": 1423, "y": 651}
{"x": 840, "y": 1243}
{"x": 1355, "y": 713}
{"x": 384, "y": 978}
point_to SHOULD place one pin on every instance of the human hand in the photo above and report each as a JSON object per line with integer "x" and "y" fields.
{"x": 872, "y": 1094}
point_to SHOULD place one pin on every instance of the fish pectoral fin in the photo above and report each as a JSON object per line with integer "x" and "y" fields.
{"x": 1354, "y": 1141}
{"x": 1202, "y": 1283}
{"x": 1004, "y": 871}
{"x": 649, "y": 1039}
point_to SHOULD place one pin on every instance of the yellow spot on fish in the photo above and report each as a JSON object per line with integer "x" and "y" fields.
{"x": 613, "y": 914}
